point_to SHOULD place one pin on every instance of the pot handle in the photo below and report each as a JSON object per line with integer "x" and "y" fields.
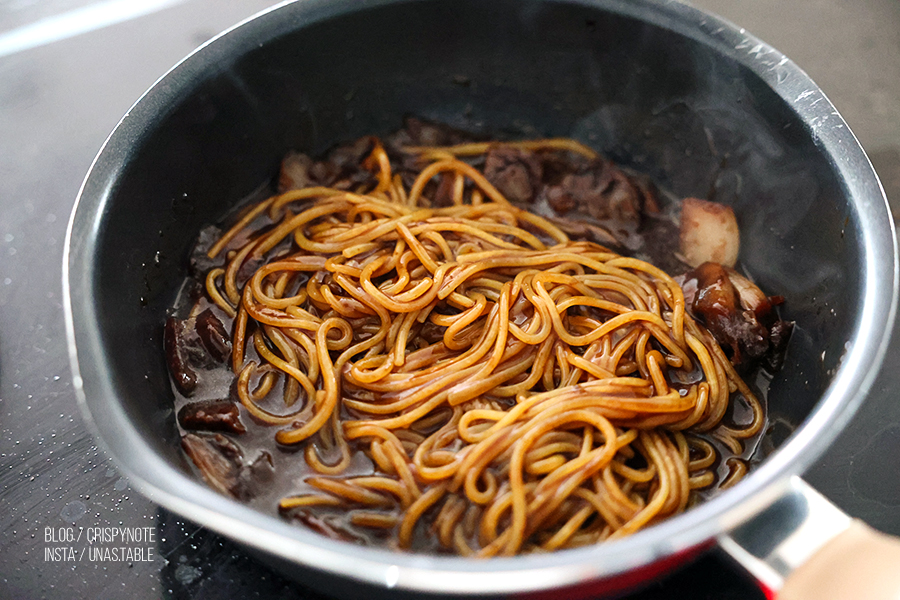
{"x": 799, "y": 546}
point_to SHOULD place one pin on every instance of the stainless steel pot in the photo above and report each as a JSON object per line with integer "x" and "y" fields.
{"x": 700, "y": 105}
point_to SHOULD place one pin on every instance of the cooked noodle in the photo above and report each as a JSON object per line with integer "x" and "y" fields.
{"x": 514, "y": 390}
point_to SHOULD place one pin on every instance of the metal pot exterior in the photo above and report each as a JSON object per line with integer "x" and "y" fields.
{"x": 696, "y": 103}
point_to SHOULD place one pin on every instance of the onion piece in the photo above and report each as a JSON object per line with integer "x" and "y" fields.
{"x": 709, "y": 233}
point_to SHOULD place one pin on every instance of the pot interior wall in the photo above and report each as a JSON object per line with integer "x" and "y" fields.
{"x": 649, "y": 98}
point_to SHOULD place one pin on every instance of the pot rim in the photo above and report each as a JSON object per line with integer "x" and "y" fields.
{"x": 185, "y": 496}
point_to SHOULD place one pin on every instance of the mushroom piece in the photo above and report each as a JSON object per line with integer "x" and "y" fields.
{"x": 600, "y": 189}
{"x": 179, "y": 356}
{"x": 295, "y": 172}
{"x": 221, "y": 463}
{"x": 212, "y": 415}
{"x": 739, "y": 315}
{"x": 515, "y": 173}
{"x": 194, "y": 345}
{"x": 213, "y": 335}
